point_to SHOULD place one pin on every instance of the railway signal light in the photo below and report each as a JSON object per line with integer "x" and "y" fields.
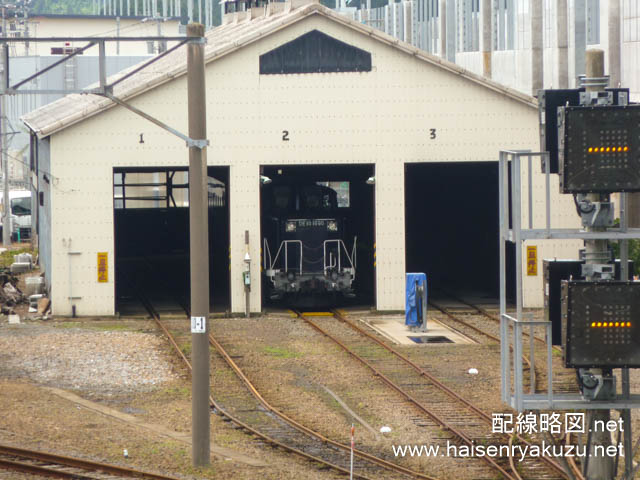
{"x": 601, "y": 324}
{"x": 599, "y": 150}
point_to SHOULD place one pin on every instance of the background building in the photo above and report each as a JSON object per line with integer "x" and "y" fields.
{"x": 525, "y": 44}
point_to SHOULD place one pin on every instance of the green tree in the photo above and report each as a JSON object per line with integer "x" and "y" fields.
{"x": 634, "y": 249}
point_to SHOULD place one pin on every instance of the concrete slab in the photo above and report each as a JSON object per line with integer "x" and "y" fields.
{"x": 14, "y": 319}
{"x": 393, "y": 328}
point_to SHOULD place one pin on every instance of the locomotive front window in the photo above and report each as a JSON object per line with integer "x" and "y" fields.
{"x": 342, "y": 192}
{"x": 315, "y": 197}
{"x": 282, "y": 194}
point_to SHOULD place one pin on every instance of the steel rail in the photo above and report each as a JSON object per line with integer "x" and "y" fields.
{"x": 451, "y": 316}
{"x": 480, "y": 331}
{"x": 308, "y": 431}
{"x": 371, "y": 458}
{"x": 40, "y": 471}
{"x": 494, "y": 318}
{"x": 572, "y": 461}
{"x": 74, "y": 463}
{"x": 443, "y": 423}
{"x": 436, "y": 382}
{"x": 239, "y": 422}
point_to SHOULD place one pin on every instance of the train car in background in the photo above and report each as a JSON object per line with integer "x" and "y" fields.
{"x": 307, "y": 255}
{"x": 20, "y": 201}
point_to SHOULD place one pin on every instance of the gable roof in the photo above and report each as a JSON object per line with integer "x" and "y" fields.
{"x": 221, "y": 41}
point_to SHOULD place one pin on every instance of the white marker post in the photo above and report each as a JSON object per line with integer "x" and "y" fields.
{"x": 353, "y": 429}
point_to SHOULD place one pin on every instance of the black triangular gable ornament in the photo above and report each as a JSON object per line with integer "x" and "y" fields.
{"x": 315, "y": 52}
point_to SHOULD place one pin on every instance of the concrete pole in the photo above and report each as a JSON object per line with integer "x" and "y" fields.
{"x": 600, "y": 466}
{"x": 537, "y": 52}
{"x": 198, "y": 249}
{"x": 615, "y": 74}
{"x": 563, "y": 44}
{"x": 6, "y": 219}
{"x": 487, "y": 44}
{"x": 443, "y": 28}
{"x": 118, "y": 35}
{"x": 451, "y": 30}
{"x": 580, "y": 42}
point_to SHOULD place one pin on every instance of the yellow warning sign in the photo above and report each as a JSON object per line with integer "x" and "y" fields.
{"x": 103, "y": 267}
{"x": 532, "y": 261}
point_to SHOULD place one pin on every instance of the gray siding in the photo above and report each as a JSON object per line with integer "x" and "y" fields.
{"x": 44, "y": 211}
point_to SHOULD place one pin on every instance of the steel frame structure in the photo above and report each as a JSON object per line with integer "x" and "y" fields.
{"x": 104, "y": 88}
{"x": 513, "y": 327}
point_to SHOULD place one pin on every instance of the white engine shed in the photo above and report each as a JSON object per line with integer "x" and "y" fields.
{"x": 428, "y": 130}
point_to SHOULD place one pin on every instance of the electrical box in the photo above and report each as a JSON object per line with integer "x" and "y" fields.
{"x": 601, "y": 324}
{"x": 548, "y": 103}
{"x": 599, "y": 149}
{"x": 554, "y": 272}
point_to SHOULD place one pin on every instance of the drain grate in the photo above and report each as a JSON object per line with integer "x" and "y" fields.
{"x": 434, "y": 339}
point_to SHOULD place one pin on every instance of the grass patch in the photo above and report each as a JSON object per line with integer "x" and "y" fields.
{"x": 281, "y": 352}
{"x": 107, "y": 327}
{"x": 67, "y": 324}
{"x": 178, "y": 391}
{"x": 186, "y": 349}
{"x": 6, "y": 258}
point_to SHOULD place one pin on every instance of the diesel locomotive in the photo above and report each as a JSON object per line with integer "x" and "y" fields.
{"x": 305, "y": 252}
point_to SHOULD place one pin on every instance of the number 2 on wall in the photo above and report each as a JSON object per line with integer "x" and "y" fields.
{"x": 285, "y": 135}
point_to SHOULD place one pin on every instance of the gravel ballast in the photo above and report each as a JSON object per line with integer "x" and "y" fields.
{"x": 109, "y": 361}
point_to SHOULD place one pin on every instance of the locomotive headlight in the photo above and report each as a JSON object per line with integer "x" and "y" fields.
{"x": 291, "y": 227}
{"x": 332, "y": 226}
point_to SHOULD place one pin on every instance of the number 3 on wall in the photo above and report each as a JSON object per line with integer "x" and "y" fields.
{"x": 285, "y": 135}
{"x": 432, "y": 132}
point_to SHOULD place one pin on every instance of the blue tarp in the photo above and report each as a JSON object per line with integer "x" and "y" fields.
{"x": 413, "y": 309}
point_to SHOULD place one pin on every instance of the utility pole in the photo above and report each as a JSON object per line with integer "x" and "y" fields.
{"x": 6, "y": 218}
{"x": 580, "y": 36}
{"x": 537, "y": 47}
{"x": 487, "y": 44}
{"x": 600, "y": 467}
{"x": 563, "y": 44}
{"x": 117, "y": 35}
{"x": 198, "y": 248}
{"x": 443, "y": 28}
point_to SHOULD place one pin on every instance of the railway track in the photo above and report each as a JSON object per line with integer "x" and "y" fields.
{"x": 475, "y": 323}
{"x": 443, "y": 407}
{"x": 495, "y": 318}
{"x": 239, "y": 402}
{"x": 48, "y": 465}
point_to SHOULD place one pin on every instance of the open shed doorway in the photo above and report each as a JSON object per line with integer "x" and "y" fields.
{"x": 452, "y": 228}
{"x": 151, "y": 227}
{"x": 354, "y": 198}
